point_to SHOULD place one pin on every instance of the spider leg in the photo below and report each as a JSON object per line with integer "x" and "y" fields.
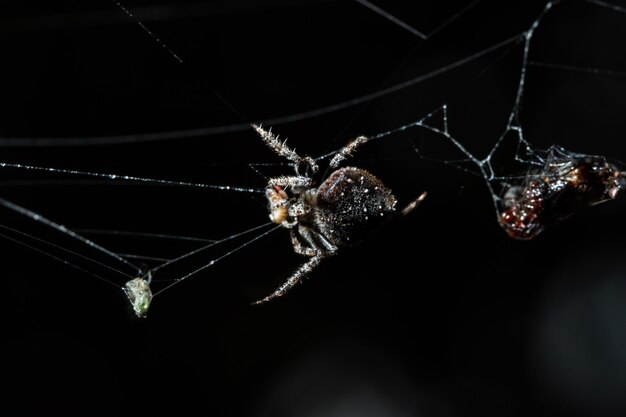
{"x": 346, "y": 151}
{"x": 298, "y": 247}
{"x": 413, "y": 204}
{"x": 313, "y": 240}
{"x": 283, "y": 150}
{"x": 314, "y": 250}
{"x": 295, "y": 278}
{"x": 297, "y": 182}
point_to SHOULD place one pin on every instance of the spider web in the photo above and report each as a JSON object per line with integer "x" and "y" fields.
{"x": 482, "y": 86}
{"x": 516, "y": 56}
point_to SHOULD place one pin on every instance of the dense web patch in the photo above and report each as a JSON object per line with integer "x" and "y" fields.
{"x": 554, "y": 183}
{"x": 523, "y": 208}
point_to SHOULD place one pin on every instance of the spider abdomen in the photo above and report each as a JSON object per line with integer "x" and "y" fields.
{"x": 350, "y": 203}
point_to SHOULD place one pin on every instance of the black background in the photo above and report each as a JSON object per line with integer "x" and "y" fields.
{"x": 438, "y": 314}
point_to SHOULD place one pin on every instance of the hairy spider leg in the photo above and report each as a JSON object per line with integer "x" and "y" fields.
{"x": 298, "y": 182}
{"x": 313, "y": 248}
{"x": 346, "y": 151}
{"x": 298, "y": 247}
{"x": 281, "y": 149}
{"x": 304, "y": 270}
{"x": 314, "y": 239}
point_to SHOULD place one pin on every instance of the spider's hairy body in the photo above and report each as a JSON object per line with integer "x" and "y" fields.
{"x": 350, "y": 203}
{"x": 340, "y": 212}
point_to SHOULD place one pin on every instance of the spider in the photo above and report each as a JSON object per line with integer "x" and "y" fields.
{"x": 340, "y": 212}
{"x": 565, "y": 184}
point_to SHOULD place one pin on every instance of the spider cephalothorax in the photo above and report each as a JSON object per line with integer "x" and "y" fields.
{"x": 341, "y": 211}
{"x": 566, "y": 184}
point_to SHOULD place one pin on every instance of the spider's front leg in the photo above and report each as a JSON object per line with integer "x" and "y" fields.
{"x": 298, "y": 182}
{"x": 285, "y": 151}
